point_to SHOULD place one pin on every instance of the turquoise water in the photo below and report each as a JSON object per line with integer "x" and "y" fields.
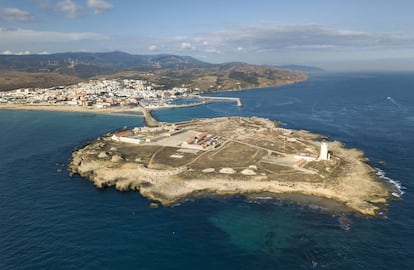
{"x": 49, "y": 220}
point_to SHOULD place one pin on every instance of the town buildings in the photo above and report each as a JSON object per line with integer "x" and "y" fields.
{"x": 99, "y": 93}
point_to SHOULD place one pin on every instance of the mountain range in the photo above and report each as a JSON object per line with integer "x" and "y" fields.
{"x": 22, "y": 71}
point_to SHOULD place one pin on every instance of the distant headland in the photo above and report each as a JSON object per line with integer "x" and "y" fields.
{"x": 162, "y": 70}
{"x": 118, "y": 82}
{"x": 168, "y": 163}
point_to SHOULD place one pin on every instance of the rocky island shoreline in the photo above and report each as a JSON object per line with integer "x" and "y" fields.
{"x": 169, "y": 163}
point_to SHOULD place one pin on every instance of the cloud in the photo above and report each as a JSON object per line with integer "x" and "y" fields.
{"x": 69, "y": 7}
{"x": 153, "y": 48}
{"x": 213, "y": 50}
{"x": 275, "y": 44}
{"x": 16, "y": 15}
{"x": 8, "y": 52}
{"x": 43, "y": 5}
{"x": 265, "y": 38}
{"x": 26, "y": 36}
{"x": 50, "y": 41}
{"x": 99, "y": 6}
{"x": 186, "y": 46}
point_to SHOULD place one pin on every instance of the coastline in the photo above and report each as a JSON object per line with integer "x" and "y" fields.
{"x": 347, "y": 179}
{"x": 118, "y": 110}
{"x": 78, "y": 109}
{"x": 121, "y": 111}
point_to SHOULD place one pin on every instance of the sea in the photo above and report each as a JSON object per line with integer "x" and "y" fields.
{"x": 50, "y": 220}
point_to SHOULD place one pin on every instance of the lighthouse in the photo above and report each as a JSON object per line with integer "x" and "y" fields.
{"x": 324, "y": 155}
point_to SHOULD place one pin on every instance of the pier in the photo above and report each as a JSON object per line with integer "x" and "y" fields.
{"x": 236, "y": 99}
{"x": 149, "y": 119}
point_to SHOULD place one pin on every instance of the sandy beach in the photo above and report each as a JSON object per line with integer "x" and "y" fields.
{"x": 79, "y": 109}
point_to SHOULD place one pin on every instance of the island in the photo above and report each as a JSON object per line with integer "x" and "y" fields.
{"x": 171, "y": 162}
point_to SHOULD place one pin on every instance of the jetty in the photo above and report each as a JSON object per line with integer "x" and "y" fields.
{"x": 236, "y": 99}
{"x": 149, "y": 119}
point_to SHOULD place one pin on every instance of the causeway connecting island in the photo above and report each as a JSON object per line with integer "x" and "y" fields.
{"x": 171, "y": 162}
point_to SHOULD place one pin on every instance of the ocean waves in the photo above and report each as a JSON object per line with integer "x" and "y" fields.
{"x": 400, "y": 188}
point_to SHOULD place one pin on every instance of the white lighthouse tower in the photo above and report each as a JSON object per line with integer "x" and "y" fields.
{"x": 324, "y": 155}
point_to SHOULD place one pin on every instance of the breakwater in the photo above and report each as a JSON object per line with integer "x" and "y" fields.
{"x": 236, "y": 99}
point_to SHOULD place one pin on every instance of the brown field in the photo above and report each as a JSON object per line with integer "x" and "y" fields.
{"x": 132, "y": 152}
{"x": 275, "y": 168}
{"x": 230, "y": 155}
{"x": 163, "y": 159}
{"x": 10, "y": 80}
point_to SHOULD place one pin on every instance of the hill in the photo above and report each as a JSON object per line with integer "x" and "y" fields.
{"x": 21, "y": 71}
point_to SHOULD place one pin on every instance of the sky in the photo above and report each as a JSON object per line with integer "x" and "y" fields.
{"x": 332, "y": 34}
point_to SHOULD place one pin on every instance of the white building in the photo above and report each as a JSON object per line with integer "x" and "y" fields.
{"x": 324, "y": 155}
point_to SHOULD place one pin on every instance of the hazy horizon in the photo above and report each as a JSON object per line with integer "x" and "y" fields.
{"x": 333, "y": 35}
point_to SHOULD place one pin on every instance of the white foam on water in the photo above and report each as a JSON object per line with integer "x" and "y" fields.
{"x": 395, "y": 183}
